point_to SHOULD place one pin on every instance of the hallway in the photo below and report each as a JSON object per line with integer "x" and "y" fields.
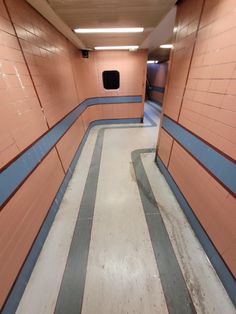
{"x": 104, "y": 252}
{"x": 117, "y": 156}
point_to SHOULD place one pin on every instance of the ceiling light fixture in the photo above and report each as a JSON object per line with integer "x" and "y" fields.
{"x": 109, "y": 30}
{"x": 117, "y": 48}
{"x": 167, "y": 46}
{"x": 152, "y": 61}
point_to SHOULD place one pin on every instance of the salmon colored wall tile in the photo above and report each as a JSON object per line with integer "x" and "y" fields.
{"x": 157, "y": 74}
{"x": 47, "y": 53}
{"x": 156, "y": 96}
{"x": 118, "y": 111}
{"x": 211, "y": 86}
{"x": 230, "y": 256}
{"x": 22, "y": 217}
{"x": 164, "y": 147}
{"x": 42, "y": 78}
{"x": 188, "y": 15}
{"x": 70, "y": 142}
{"x": 132, "y": 69}
{"x": 131, "y": 66}
{"x": 201, "y": 97}
{"x": 21, "y": 118}
{"x": 84, "y": 69}
{"x": 124, "y": 111}
{"x": 211, "y": 203}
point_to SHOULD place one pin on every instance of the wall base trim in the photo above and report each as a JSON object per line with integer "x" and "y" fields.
{"x": 23, "y": 277}
{"x": 224, "y": 274}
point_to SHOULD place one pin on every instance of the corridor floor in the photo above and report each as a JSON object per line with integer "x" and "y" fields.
{"x": 120, "y": 242}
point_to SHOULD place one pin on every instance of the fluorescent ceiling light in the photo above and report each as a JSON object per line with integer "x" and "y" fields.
{"x": 117, "y": 48}
{"x": 109, "y": 30}
{"x": 168, "y": 46}
{"x": 152, "y": 61}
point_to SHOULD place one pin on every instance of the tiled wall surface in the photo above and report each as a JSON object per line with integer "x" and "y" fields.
{"x": 47, "y": 54}
{"x": 201, "y": 96}
{"x": 22, "y": 120}
{"x": 157, "y": 76}
{"x": 187, "y": 24}
{"x": 42, "y": 79}
{"x": 209, "y": 102}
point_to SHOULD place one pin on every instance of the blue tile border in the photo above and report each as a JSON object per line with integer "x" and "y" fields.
{"x": 13, "y": 176}
{"x": 221, "y": 167}
{"x": 17, "y": 291}
{"x": 218, "y": 263}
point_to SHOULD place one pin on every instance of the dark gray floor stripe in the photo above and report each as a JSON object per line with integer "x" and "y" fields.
{"x": 175, "y": 289}
{"x": 177, "y": 296}
{"x": 72, "y": 287}
{"x": 70, "y": 296}
{"x": 17, "y": 291}
{"x": 218, "y": 263}
{"x": 17, "y": 172}
{"x": 18, "y": 288}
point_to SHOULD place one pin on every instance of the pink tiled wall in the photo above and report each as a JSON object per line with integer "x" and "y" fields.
{"x": 209, "y": 102}
{"x": 188, "y": 15}
{"x": 22, "y": 217}
{"x": 212, "y": 204}
{"x": 47, "y": 54}
{"x": 157, "y": 76}
{"x": 22, "y": 120}
{"x": 201, "y": 96}
{"x": 42, "y": 78}
{"x": 165, "y": 146}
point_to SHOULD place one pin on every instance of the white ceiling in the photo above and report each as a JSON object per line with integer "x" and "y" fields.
{"x": 112, "y": 13}
{"x": 156, "y": 16}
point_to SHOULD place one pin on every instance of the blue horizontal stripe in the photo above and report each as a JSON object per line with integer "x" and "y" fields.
{"x": 221, "y": 167}
{"x": 20, "y": 284}
{"x": 113, "y": 100}
{"x": 15, "y": 174}
{"x": 224, "y": 274}
{"x": 158, "y": 89}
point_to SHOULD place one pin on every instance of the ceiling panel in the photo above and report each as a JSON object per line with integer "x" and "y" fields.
{"x": 112, "y": 13}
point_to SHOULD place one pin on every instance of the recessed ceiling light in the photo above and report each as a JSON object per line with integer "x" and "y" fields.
{"x": 175, "y": 29}
{"x": 109, "y": 30}
{"x": 152, "y": 61}
{"x": 117, "y": 48}
{"x": 168, "y": 46}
